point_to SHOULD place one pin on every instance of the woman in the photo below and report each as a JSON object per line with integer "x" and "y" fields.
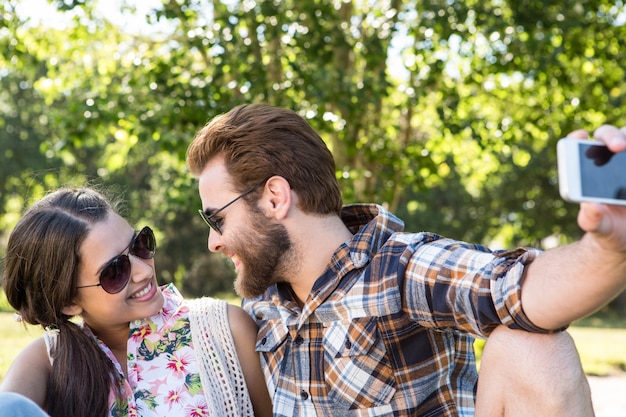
{"x": 16, "y": 405}
{"x": 137, "y": 349}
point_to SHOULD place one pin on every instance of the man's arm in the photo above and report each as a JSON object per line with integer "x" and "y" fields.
{"x": 573, "y": 281}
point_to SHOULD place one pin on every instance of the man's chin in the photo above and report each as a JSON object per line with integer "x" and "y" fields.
{"x": 248, "y": 291}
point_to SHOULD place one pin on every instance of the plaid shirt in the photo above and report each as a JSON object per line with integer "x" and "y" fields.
{"x": 387, "y": 329}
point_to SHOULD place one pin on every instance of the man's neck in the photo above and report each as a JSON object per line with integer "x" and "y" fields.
{"x": 315, "y": 241}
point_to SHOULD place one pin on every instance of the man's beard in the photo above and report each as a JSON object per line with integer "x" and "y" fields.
{"x": 264, "y": 256}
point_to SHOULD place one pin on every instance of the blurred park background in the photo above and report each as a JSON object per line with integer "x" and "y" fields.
{"x": 447, "y": 112}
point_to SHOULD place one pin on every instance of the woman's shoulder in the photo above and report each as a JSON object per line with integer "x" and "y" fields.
{"x": 205, "y": 304}
{"x": 240, "y": 321}
{"x": 236, "y": 317}
{"x": 223, "y": 319}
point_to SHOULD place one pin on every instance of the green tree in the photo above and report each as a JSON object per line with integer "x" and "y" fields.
{"x": 446, "y": 112}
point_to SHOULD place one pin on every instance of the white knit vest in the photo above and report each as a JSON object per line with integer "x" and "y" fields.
{"x": 220, "y": 371}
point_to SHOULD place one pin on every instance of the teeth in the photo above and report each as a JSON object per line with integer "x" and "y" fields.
{"x": 143, "y": 292}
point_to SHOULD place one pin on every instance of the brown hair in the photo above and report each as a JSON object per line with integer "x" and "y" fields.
{"x": 258, "y": 141}
{"x": 40, "y": 275}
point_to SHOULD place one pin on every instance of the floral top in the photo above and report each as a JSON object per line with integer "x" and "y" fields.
{"x": 163, "y": 376}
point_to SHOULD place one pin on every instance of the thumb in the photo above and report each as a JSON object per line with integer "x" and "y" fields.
{"x": 592, "y": 218}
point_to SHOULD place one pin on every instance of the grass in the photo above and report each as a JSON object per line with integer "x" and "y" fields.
{"x": 14, "y": 337}
{"x": 600, "y": 340}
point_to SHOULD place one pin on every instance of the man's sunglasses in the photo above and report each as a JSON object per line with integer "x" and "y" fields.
{"x": 209, "y": 218}
{"x": 116, "y": 274}
{"x": 215, "y": 224}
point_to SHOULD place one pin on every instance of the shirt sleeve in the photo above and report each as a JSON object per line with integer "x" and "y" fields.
{"x": 456, "y": 285}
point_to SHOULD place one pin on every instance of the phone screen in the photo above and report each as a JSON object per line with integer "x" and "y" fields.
{"x": 602, "y": 172}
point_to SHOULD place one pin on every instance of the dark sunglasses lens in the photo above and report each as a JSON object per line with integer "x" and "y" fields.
{"x": 116, "y": 275}
{"x": 144, "y": 244}
{"x": 209, "y": 222}
{"x": 213, "y": 226}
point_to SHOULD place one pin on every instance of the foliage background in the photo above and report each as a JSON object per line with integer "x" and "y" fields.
{"x": 446, "y": 112}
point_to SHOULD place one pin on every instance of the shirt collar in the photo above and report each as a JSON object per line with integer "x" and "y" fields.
{"x": 371, "y": 225}
{"x": 171, "y": 306}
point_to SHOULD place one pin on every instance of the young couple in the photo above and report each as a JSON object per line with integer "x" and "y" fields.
{"x": 354, "y": 315}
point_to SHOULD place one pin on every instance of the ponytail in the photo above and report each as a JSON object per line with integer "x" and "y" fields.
{"x": 82, "y": 376}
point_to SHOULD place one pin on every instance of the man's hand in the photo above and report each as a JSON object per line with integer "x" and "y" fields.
{"x": 606, "y": 222}
{"x": 570, "y": 282}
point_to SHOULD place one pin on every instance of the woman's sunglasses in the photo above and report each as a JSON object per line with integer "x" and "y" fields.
{"x": 116, "y": 274}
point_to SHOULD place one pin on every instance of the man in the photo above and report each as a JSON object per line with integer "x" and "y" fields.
{"x": 359, "y": 318}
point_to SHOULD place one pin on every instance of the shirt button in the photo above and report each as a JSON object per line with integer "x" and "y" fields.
{"x": 137, "y": 323}
{"x": 348, "y": 344}
{"x": 264, "y": 340}
{"x": 299, "y": 340}
{"x": 304, "y": 395}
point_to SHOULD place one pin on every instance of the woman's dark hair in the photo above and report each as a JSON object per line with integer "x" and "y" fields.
{"x": 40, "y": 278}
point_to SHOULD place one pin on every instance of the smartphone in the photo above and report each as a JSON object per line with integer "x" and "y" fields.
{"x": 589, "y": 171}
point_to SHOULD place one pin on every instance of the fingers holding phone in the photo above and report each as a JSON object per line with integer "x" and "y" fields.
{"x": 613, "y": 137}
{"x": 593, "y": 173}
{"x": 590, "y": 172}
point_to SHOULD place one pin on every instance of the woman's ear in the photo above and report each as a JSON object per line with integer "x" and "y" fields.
{"x": 72, "y": 310}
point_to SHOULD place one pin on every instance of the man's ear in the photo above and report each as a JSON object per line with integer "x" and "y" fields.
{"x": 72, "y": 310}
{"x": 277, "y": 196}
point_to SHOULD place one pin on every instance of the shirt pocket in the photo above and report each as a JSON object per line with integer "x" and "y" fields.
{"x": 357, "y": 371}
{"x": 270, "y": 337}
